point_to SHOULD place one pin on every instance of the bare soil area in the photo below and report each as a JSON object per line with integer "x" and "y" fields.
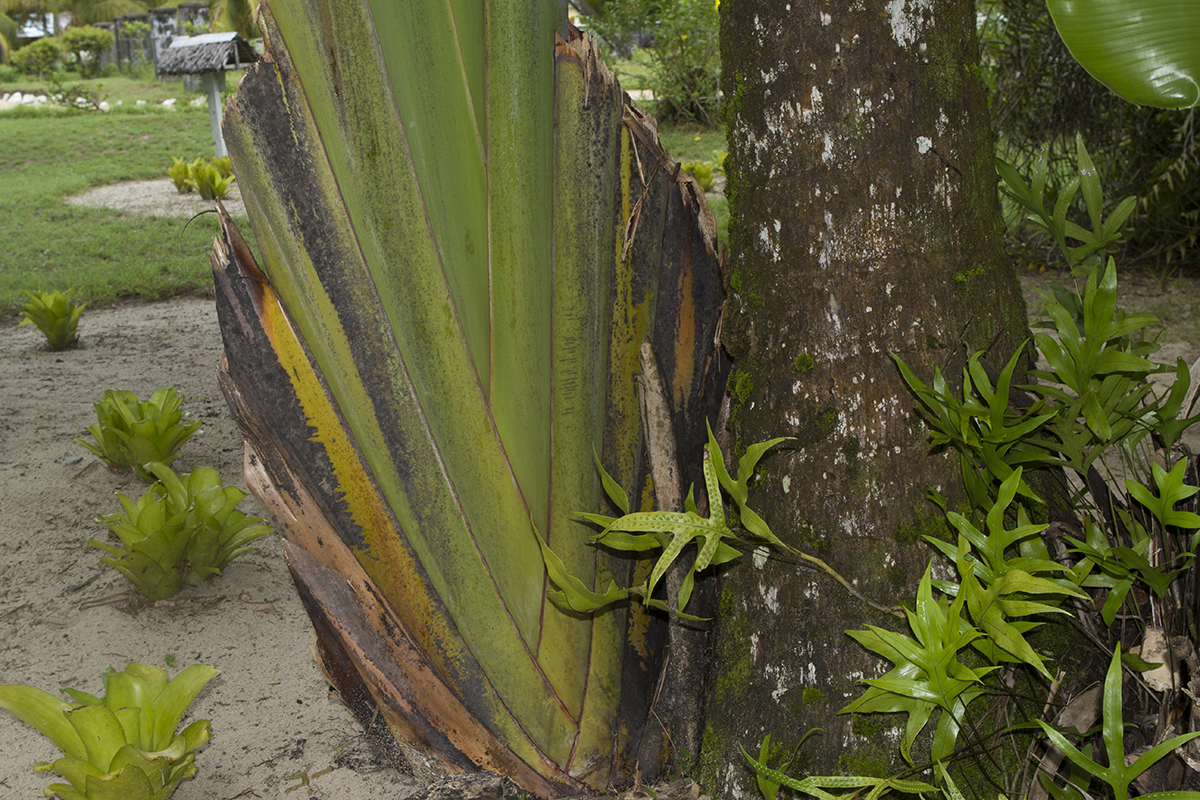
{"x": 157, "y": 198}
{"x": 276, "y": 730}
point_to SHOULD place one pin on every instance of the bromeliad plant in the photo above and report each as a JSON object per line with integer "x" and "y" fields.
{"x": 54, "y": 315}
{"x": 210, "y": 178}
{"x": 704, "y": 173}
{"x": 124, "y": 745}
{"x": 179, "y": 172}
{"x": 183, "y": 530}
{"x": 133, "y": 433}
{"x": 224, "y": 166}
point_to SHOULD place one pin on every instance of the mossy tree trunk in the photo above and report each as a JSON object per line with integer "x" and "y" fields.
{"x": 864, "y": 220}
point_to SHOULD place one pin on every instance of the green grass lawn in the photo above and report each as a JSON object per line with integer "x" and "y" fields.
{"x": 48, "y": 155}
{"x": 636, "y": 72}
{"x": 693, "y": 142}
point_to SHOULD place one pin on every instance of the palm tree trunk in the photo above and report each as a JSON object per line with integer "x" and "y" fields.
{"x": 865, "y": 221}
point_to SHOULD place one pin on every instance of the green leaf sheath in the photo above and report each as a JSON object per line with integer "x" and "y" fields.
{"x": 519, "y": 85}
{"x": 585, "y": 151}
{"x": 470, "y": 563}
{"x": 461, "y": 230}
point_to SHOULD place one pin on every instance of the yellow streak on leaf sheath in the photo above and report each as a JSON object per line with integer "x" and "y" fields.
{"x": 415, "y": 702}
{"x": 398, "y": 290}
{"x": 412, "y": 608}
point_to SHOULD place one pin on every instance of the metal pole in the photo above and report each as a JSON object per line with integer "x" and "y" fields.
{"x": 214, "y": 84}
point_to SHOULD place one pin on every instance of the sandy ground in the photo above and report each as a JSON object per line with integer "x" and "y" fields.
{"x": 277, "y": 730}
{"x": 157, "y": 198}
{"x": 5, "y": 105}
{"x": 273, "y": 721}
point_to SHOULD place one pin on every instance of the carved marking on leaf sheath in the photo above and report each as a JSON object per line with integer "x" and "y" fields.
{"x": 631, "y": 227}
{"x": 660, "y": 433}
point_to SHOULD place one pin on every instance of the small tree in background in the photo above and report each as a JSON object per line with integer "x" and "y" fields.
{"x": 88, "y": 44}
{"x": 680, "y": 38}
{"x": 36, "y": 58}
{"x": 686, "y": 60}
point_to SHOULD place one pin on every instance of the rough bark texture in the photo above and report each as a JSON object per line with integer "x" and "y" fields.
{"x": 864, "y": 220}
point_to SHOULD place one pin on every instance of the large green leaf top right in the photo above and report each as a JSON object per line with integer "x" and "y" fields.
{"x": 1146, "y": 51}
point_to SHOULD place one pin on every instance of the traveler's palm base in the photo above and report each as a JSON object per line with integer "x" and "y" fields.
{"x": 464, "y": 235}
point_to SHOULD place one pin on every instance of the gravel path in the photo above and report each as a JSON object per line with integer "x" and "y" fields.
{"x": 157, "y": 198}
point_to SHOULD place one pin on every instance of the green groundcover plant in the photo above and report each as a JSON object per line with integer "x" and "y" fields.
{"x": 124, "y": 745}
{"x": 54, "y": 315}
{"x": 183, "y": 530}
{"x": 133, "y": 433}
{"x": 1116, "y": 773}
{"x": 211, "y": 178}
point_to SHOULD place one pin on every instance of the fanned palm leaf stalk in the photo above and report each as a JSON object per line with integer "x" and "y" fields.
{"x": 466, "y": 233}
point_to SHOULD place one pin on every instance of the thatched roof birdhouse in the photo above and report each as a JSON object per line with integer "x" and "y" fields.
{"x": 206, "y": 52}
{"x": 208, "y": 55}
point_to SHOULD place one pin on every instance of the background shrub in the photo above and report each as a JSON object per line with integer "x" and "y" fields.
{"x": 37, "y": 58}
{"x": 88, "y": 44}
{"x": 1041, "y": 96}
{"x": 680, "y": 37}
